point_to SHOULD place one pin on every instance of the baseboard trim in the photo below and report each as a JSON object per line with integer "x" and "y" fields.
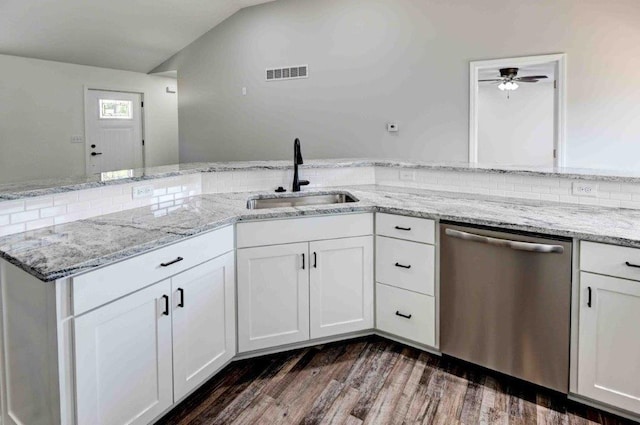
{"x": 417, "y": 345}
{"x": 605, "y": 407}
{"x": 303, "y": 344}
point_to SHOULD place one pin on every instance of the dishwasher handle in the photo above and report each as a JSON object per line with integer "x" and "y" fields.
{"x": 517, "y": 245}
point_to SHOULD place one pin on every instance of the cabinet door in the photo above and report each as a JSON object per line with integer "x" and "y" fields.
{"x": 123, "y": 359}
{"x": 273, "y": 296}
{"x": 204, "y": 318}
{"x": 341, "y": 286}
{"x": 609, "y": 341}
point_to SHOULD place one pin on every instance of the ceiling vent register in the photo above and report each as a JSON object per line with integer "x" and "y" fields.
{"x": 287, "y": 73}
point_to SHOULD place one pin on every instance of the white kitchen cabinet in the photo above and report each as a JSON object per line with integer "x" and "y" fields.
{"x": 341, "y": 286}
{"x": 123, "y": 359}
{"x": 204, "y": 336}
{"x": 273, "y": 296}
{"x": 609, "y": 341}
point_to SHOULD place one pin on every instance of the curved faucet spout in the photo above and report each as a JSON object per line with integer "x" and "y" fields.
{"x": 297, "y": 160}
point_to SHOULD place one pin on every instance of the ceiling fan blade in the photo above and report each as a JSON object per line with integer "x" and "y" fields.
{"x": 485, "y": 81}
{"x": 531, "y": 77}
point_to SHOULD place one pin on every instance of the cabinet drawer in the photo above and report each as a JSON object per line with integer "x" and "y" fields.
{"x": 409, "y": 228}
{"x": 610, "y": 260}
{"x": 407, "y": 265}
{"x": 259, "y": 233}
{"x": 419, "y": 323}
{"x": 101, "y": 286}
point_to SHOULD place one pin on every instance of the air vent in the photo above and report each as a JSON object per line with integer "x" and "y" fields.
{"x": 288, "y": 73}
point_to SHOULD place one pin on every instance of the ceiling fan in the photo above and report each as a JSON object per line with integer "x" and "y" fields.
{"x": 509, "y": 78}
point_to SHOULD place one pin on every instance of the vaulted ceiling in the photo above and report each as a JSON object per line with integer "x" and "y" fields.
{"x": 135, "y": 35}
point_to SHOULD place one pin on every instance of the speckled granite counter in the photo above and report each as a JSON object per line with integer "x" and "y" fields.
{"x": 30, "y": 189}
{"x": 61, "y": 251}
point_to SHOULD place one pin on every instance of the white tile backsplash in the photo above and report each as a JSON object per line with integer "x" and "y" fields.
{"x": 168, "y": 193}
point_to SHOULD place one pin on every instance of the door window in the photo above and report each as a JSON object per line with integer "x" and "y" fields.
{"x": 116, "y": 109}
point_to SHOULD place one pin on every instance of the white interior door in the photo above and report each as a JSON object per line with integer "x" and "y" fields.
{"x": 113, "y": 131}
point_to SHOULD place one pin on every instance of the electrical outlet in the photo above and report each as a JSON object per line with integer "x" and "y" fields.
{"x": 77, "y": 139}
{"x": 407, "y": 175}
{"x": 589, "y": 189}
{"x": 142, "y": 192}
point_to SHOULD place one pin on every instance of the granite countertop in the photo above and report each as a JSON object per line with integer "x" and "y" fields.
{"x": 65, "y": 250}
{"x": 13, "y": 191}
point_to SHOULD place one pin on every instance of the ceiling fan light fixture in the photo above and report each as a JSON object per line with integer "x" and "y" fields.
{"x": 509, "y": 86}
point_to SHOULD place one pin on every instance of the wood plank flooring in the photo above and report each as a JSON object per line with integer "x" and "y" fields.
{"x": 372, "y": 381}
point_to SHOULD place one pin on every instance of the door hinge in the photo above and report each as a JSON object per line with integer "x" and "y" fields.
{"x": 555, "y": 152}
{"x": 142, "y": 142}
{"x": 142, "y": 104}
{"x": 555, "y": 84}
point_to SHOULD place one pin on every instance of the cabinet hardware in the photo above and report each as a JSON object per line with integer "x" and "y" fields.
{"x": 96, "y": 153}
{"x": 403, "y": 315}
{"x": 181, "y": 303}
{"x": 406, "y": 229}
{"x": 632, "y": 265}
{"x": 589, "y": 297}
{"x": 302, "y": 261}
{"x": 166, "y": 305}
{"x": 403, "y": 266}
{"x": 177, "y": 260}
{"x": 315, "y": 260}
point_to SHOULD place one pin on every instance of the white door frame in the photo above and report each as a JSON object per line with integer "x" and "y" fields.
{"x": 560, "y": 110}
{"x": 100, "y": 87}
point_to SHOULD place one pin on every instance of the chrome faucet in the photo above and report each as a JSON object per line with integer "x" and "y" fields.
{"x": 297, "y": 160}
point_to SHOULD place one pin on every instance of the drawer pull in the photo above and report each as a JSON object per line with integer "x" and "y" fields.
{"x": 166, "y": 305}
{"x": 406, "y": 229}
{"x": 315, "y": 260}
{"x": 170, "y": 263}
{"x": 632, "y": 265}
{"x": 403, "y": 266}
{"x": 181, "y": 303}
{"x": 403, "y": 315}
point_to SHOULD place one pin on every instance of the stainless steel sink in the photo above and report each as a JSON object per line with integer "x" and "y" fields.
{"x": 300, "y": 201}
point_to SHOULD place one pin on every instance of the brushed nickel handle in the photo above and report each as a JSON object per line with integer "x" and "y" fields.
{"x": 517, "y": 245}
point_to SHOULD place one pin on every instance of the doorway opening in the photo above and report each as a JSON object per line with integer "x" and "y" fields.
{"x": 517, "y": 111}
{"x": 114, "y": 130}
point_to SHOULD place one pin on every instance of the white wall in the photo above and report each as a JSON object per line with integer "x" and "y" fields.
{"x": 517, "y": 130}
{"x": 372, "y": 61}
{"x": 42, "y": 106}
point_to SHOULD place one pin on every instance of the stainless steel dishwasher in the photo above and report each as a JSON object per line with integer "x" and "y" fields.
{"x": 506, "y": 301}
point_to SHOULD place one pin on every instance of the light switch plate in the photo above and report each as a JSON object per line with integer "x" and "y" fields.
{"x": 589, "y": 189}
{"x": 142, "y": 192}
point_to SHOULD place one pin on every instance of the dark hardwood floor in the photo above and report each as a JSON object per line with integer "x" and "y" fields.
{"x": 372, "y": 381}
